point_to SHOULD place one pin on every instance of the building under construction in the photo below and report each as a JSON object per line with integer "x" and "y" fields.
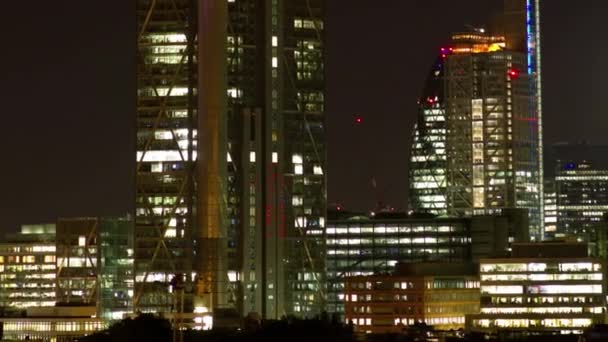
{"x": 230, "y": 181}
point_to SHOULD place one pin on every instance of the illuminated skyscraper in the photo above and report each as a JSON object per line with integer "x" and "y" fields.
{"x": 477, "y": 145}
{"x": 492, "y": 140}
{"x": 249, "y": 219}
{"x": 428, "y": 159}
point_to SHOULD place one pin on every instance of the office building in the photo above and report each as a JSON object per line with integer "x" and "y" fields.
{"x": 254, "y": 71}
{"x": 581, "y": 199}
{"x": 477, "y": 143}
{"x": 436, "y": 294}
{"x": 362, "y": 246}
{"x": 60, "y": 324}
{"x": 77, "y": 262}
{"x": 27, "y": 268}
{"x": 115, "y": 268}
{"x": 428, "y": 164}
{"x": 76, "y": 248}
{"x": 492, "y": 145}
{"x": 556, "y": 155}
{"x": 550, "y": 208}
{"x": 551, "y": 287}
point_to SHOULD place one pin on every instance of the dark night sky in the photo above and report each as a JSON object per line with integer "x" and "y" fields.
{"x": 67, "y": 91}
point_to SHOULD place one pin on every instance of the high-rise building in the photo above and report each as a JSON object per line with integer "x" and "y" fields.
{"x": 239, "y": 84}
{"x": 428, "y": 164}
{"x": 581, "y": 199}
{"x": 477, "y": 144}
{"x": 492, "y": 140}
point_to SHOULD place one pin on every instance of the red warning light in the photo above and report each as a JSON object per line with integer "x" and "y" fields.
{"x": 358, "y": 120}
{"x": 513, "y": 73}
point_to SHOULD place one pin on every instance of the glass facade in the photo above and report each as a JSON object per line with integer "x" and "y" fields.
{"x": 428, "y": 157}
{"x": 492, "y": 144}
{"x": 483, "y": 96}
{"x": 367, "y": 247}
{"x": 116, "y": 273}
{"x": 581, "y": 199}
{"x": 166, "y": 147}
{"x": 564, "y": 295}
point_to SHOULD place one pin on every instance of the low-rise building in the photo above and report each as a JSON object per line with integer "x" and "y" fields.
{"x": 550, "y": 287}
{"x": 56, "y": 324}
{"x": 437, "y": 294}
{"x": 27, "y": 268}
{"x": 362, "y": 246}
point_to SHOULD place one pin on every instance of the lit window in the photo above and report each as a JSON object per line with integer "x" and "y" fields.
{"x": 82, "y": 241}
{"x": 296, "y": 159}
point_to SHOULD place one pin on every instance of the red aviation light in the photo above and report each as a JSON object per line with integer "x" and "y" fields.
{"x": 513, "y": 73}
{"x": 358, "y": 120}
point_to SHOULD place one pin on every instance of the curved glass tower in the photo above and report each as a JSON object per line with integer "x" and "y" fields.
{"x": 428, "y": 159}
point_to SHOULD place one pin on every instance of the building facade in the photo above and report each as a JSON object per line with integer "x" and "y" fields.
{"x": 364, "y": 247}
{"x": 77, "y": 262}
{"x": 56, "y": 324}
{"x": 542, "y": 288}
{"x": 492, "y": 145}
{"x": 550, "y": 208}
{"x": 264, "y": 250}
{"x": 428, "y": 164}
{"x": 477, "y": 145}
{"x": 581, "y": 199}
{"x": 28, "y": 269}
{"x": 439, "y": 295}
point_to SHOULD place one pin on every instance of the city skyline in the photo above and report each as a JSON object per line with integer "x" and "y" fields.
{"x": 78, "y": 173}
{"x": 229, "y": 164}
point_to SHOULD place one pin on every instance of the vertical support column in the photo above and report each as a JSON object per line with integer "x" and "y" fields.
{"x": 212, "y": 150}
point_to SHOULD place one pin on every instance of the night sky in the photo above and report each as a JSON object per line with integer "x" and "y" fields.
{"x": 68, "y": 96}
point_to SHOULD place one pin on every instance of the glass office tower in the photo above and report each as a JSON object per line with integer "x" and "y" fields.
{"x": 477, "y": 145}
{"x": 492, "y": 144}
{"x": 428, "y": 159}
{"x": 271, "y": 230}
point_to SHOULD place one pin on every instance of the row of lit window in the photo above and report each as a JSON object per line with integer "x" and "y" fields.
{"x": 380, "y": 229}
{"x": 544, "y": 310}
{"x": 394, "y": 241}
{"x": 526, "y": 323}
{"x": 542, "y": 277}
{"x": 544, "y": 300}
{"x": 541, "y": 289}
{"x": 540, "y": 267}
